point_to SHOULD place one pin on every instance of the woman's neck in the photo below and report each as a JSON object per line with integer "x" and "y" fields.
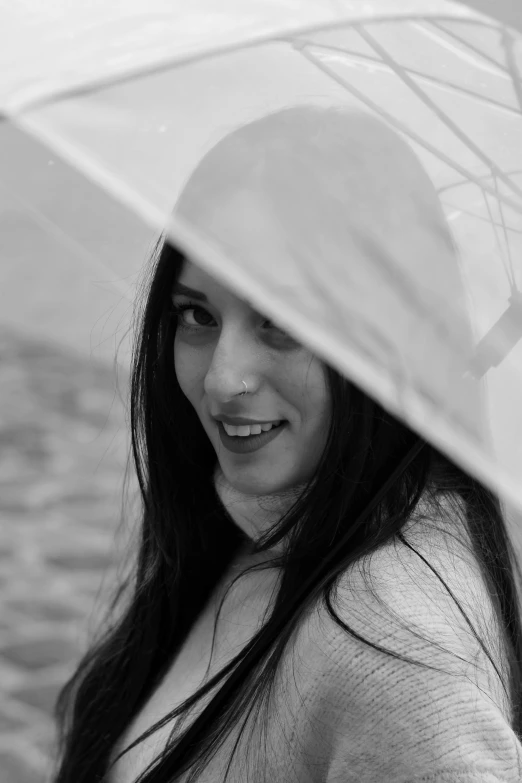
{"x": 254, "y": 514}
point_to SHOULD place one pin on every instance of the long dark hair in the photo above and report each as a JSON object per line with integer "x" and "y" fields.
{"x": 372, "y": 475}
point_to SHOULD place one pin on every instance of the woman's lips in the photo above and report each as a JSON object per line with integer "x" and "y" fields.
{"x": 245, "y": 444}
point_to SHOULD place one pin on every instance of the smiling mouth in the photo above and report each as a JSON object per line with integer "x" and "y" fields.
{"x": 246, "y": 430}
{"x": 248, "y": 443}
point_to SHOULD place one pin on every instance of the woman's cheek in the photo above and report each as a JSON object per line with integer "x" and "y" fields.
{"x": 191, "y": 366}
{"x": 183, "y": 368}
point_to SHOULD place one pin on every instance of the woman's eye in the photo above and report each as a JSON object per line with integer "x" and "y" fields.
{"x": 192, "y": 316}
{"x": 272, "y": 327}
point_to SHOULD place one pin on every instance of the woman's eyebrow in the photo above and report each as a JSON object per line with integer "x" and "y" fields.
{"x": 179, "y": 288}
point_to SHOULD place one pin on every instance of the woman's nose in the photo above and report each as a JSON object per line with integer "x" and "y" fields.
{"x": 234, "y": 360}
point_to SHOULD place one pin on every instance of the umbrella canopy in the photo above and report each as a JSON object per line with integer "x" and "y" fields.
{"x": 372, "y": 150}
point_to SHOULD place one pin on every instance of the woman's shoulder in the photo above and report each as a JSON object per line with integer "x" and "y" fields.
{"x": 450, "y": 712}
{"x": 428, "y": 576}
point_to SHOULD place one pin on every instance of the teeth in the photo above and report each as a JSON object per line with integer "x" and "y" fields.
{"x": 248, "y": 429}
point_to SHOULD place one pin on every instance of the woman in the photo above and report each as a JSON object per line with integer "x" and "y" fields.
{"x": 345, "y": 594}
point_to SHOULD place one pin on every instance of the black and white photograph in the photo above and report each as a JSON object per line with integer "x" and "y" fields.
{"x": 261, "y": 391}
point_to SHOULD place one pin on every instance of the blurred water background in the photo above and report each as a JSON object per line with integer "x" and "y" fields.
{"x": 64, "y": 356}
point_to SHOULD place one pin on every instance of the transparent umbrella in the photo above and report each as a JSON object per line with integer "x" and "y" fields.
{"x": 398, "y": 256}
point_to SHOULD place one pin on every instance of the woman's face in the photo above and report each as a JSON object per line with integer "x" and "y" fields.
{"x": 222, "y": 340}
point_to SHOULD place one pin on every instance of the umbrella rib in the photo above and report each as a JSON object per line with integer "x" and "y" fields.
{"x": 167, "y": 62}
{"x": 452, "y": 126}
{"x": 469, "y": 45}
{"x": 508, "y": 260}
{"x": 497, "y": 241}
{"x": 435, "y": 80}
{"x": 400, "y": 126}
{"x": 474, "y": 215}
{"x": 507, "y": 40}
{"x": 461, "y": 181}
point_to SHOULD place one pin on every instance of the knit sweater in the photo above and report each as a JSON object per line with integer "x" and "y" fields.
{"x": 343, "y": 712}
